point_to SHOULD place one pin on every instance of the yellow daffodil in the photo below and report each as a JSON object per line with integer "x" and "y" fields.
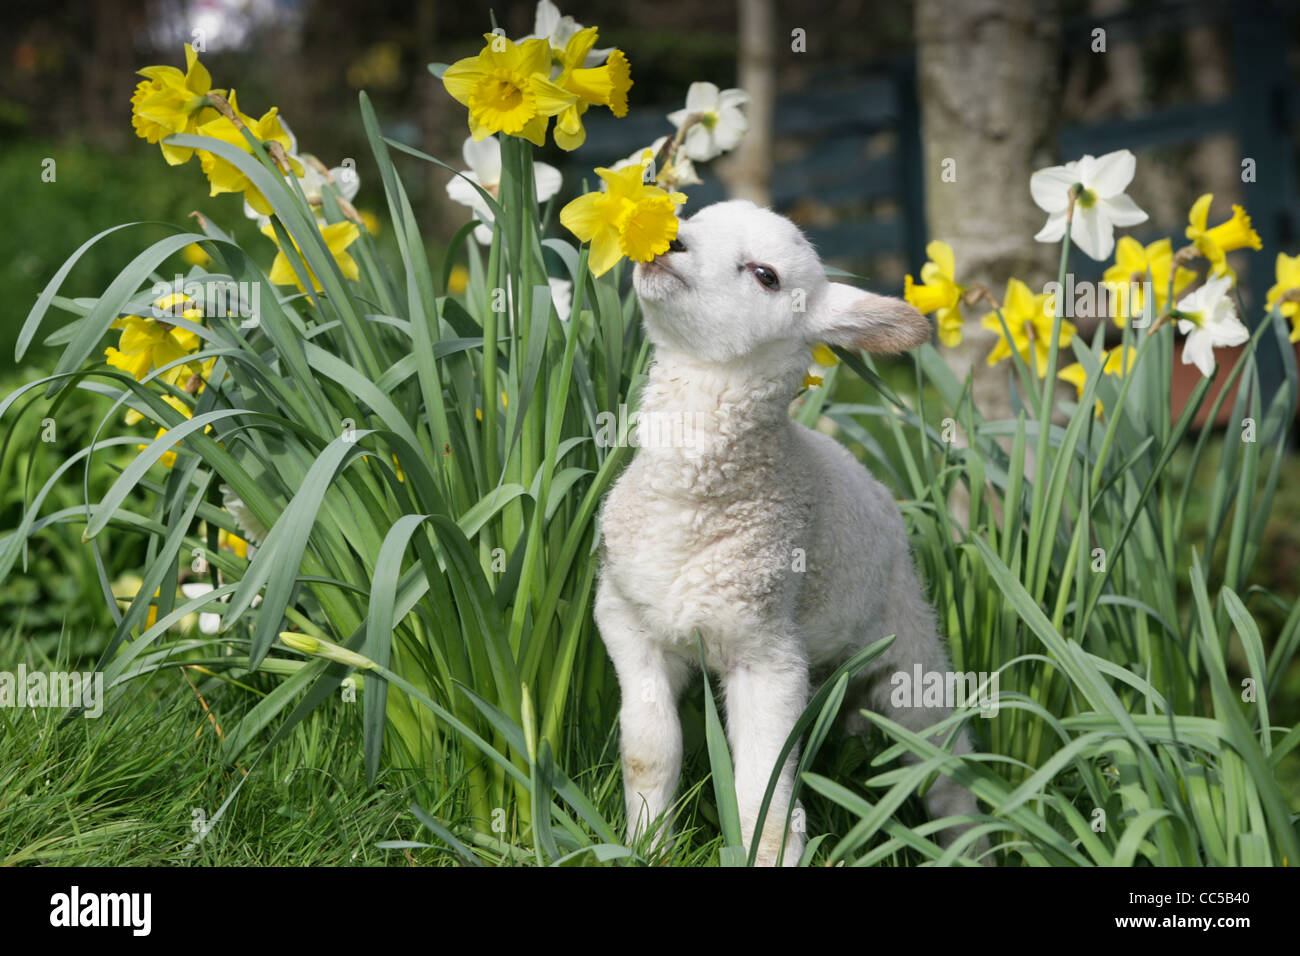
{"x": 650, "y": 224}
{"x": 195, "y": 255}
{"x": 505, "y": 403}
{"x": 370, "y": 221}
{"x": 823, "y": 355}
{"x": 1285, "y": 294}
{"x": 225, "y": 176}
{"x": 938, "y": 292}
{"x": 1116, "y": 362}
{"x": 458, "y": 279}
{"x": 125, "y": 588}
{"x": 1126, "y": 279}
{"x": 507, "y": 90}
{"x": 1029, "y": 319}
{"x": 630, "y": 218}
{"x": 1215, "y": 243}
{"x": 177, "y": 303}
{"x": 338, "y": 236}
{"x": 169, "y": 457}
{"x": 237, "y": 545}
{"x": 146, "y": 344}
{"x": 605, "y": 85}
{"x": 168, "y": 101}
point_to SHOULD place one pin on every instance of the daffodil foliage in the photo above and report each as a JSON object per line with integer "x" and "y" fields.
{"x": 1079, "y": 544}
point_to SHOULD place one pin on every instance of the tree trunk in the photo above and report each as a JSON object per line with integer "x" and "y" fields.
{"x": 987, "y": 76}
{"x": 748, "y": 171}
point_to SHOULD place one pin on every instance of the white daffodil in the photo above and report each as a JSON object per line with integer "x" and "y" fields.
{"x": 562, "y": 296}
{"x": 549, "y": 25}
{"x": 313, "y": 182}
{"x": 253, "y": 533}
{"x": 250, "y": 529}
{"x": 484, "y": 161}
{"x": 671, "y": 177}
{"x": 209, "y": 621}
{"x": 717, "y": 123}
{"x": 1209, "y": 320}
{"x": 1101, "y": 204}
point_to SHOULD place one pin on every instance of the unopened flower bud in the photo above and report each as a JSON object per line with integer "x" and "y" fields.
{"x": 332, "y": 652}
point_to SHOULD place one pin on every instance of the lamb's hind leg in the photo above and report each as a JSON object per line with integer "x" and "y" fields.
{"x": 650, "y": 682}
{"x": 918, "y": 642}
{"x": 946, "y": 797}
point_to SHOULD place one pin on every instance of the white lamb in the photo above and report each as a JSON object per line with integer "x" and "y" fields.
{"x": 768, "y": 537}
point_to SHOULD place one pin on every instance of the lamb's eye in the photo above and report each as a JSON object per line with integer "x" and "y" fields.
{"x": 766, "y": 277}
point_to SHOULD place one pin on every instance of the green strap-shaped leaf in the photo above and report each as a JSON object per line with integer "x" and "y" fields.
{"x": 133, "y": 472}
{"x": 378, "y": 644}
{"x": 280, "y": 556}
{"x": 42, "y": 303}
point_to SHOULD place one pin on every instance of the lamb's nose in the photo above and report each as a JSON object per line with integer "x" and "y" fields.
{"x": 676, "y": 246}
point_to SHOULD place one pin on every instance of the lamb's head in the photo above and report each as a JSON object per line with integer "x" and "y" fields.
{"x": 740, "y": 279}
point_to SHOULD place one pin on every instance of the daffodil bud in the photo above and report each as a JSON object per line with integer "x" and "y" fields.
{"x": 332, "y": 652}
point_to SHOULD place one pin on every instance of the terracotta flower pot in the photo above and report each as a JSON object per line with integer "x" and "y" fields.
{"x": 1187, "y": 377}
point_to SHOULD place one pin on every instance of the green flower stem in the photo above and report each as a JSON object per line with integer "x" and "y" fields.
{"x": 1038, "y": 518}
{"x": 1038, "y": 515}
{"x": 527, "y": 274}
{"x": 553, "y": 704}
{"x": 490, "y": 394}
{"x": 532, "y": 275}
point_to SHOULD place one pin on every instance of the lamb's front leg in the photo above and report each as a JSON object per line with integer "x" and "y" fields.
{"x": 650, "y": 682}
{"x": 764, "y": 700}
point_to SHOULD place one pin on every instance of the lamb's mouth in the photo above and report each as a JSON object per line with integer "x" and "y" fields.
{"x": 659, "y": 264}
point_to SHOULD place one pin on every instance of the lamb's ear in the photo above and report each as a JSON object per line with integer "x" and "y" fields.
{"x": 856, "y": 319}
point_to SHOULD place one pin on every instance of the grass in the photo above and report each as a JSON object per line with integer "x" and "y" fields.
{"x": 130, "y": 788}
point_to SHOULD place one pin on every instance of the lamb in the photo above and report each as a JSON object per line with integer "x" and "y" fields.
{"x": 769, "y": 538}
